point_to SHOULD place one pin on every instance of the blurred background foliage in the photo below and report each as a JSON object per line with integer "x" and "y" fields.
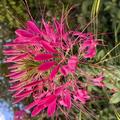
{"x": 104, "y": 19}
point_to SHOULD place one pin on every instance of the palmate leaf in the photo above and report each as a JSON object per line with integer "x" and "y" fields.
{"x": 115, "y": 98}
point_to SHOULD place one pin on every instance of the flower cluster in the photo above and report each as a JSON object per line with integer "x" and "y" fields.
{"x": 45, "y": 63}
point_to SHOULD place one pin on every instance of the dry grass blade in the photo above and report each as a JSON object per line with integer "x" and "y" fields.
{"x": 27, "y": 8}
{"x": 108, "y": 53}
{"x": 95, "y": 12}
{"x": 80, "y": 116}
{"x": 95, "y": 7}
{"x": 117, "y": 115}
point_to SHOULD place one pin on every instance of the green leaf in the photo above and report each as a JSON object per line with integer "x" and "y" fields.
{"x": 115, "y": 98}
{"x": 117, "y": 115}
{"x": 110, "y": 86}
{"x": 100, "y": 54}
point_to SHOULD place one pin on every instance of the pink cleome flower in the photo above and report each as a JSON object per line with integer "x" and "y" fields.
{"x": 82, "y": 95}
{"x": 43, "y": 66}
{"x": 98, "y": 81}
{"x": 19, "y": 115}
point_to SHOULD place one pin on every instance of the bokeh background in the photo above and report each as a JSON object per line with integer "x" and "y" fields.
{"x": 105, "y": 21}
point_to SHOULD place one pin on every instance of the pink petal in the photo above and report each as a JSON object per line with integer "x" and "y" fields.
{"x": 12, "y": 67}
{"x": 17, "y": 86}
{"x": 98, "y": 81}
{"x": 31, "y": 105}
{"x": 19, "y": 115}
{"x": 100, "y": 84}
{"x": 46, "y": 26}
{"x": 16, "y": 58}
{"x": 99, "y": 78}
{"x": 59, "y": 90}
{"x": 54, "y": 72}
{"x": 24, "y": 94}
{"x": 64, "y": 70}
{"x": 43, "y": 57}
{"x": 19, "y": 99}
{"x": 82, "y": 95}
{"x": 11, "y": 52}
{"x": 47, "y": 100}
{"x": 16, "y": 74}
{"x": 57, "y": 26}
{"x": 67, "y": 100}
{"x": 20, "y": 84}
{"x": 11, "y": 44}
{"x": 20, "y": 57}
{"x": 32, "y": 26}
{"x": 35, "y": 39}
{"x": 72, "y": 63}
{"x": 34, "y": 83}
{"x": 18, "y": 92}
{"x": 14, "y": 80}
{"x": 62, "y": 102}
{"x": 51, "y": 108}
{"x": 48, "y": 47}
{"x": 37, "y": 110}
{"x": 90, "y": 53}
{"x": 14, "y": 88}
{"x": 24, "y": 33}
{"x": 46, "y": 66}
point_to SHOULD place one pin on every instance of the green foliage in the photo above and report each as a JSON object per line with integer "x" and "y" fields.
{"x": 10, "y": 11}
{"x": 117, "y": 115}
{"x": 100, "y": 55}
{"x": 115, "y": 98}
